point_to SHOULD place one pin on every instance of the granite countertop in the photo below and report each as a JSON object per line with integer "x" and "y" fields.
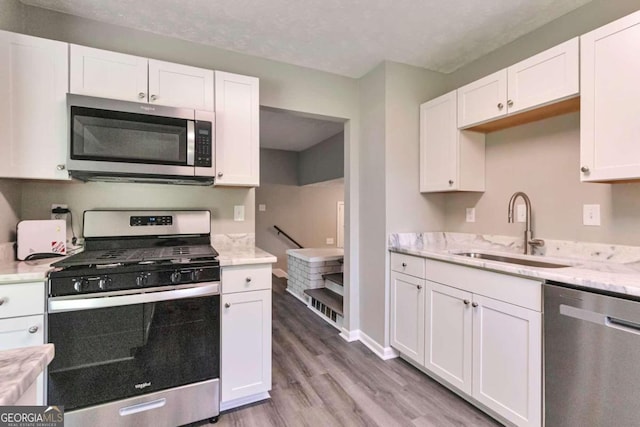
{"x": 19, "y": 368}
{"x": 604, "y": 267}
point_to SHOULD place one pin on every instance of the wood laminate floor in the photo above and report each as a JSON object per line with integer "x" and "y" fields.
{"x": 321, "y": 380}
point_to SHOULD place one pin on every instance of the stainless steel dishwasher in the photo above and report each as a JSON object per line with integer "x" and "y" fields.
{"x": 591, "y": 358}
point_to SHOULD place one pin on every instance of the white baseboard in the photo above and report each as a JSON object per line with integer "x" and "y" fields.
{"x": 297, "y": 297}
{"x": 280, "y": 273}
{"x": 230, "y": 404}
{"x": 350, "y": 336}
{"x": 384, "y": 353}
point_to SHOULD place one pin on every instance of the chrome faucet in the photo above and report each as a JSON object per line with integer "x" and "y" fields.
{"x": 528, "y": 234}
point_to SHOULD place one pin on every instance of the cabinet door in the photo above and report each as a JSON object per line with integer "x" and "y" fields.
{"x": 107, "y": 74}
{"x": 25, "y": 331}
{"x": 246, "y": 344}
{"x": 407, "y": 315}
{"x": 34, "y": 80}
{"x": 507, "y": 360}
{"x": 544, "y": 78}
{"x": 448, "y": 334}
{"x": 609, "y": 107}
{"x": 483, "y": 100}
{"x": 237, "y": 130}
{"x": 438, "y": 144}
{"x": 180, "y": 85}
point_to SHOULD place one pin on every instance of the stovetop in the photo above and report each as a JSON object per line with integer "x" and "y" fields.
{"x": 144, "y": 255}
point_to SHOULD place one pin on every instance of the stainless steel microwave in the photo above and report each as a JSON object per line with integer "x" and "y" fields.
{"x": 111, "y": 140}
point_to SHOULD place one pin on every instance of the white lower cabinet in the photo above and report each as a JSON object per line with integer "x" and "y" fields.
{"x": 507, "y": 360}
{"x": 482, "y": 335}
{"x": 407, "y": 320}
{"x": 19, "y": 299}
{"x": 245, "y": 349}
{"x": 448, "y": 335}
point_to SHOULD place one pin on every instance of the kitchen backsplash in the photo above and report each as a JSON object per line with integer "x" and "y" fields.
{"x": 553, "y": 248}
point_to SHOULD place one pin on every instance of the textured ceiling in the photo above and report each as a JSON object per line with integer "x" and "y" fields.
{"x": 344, "y": 37}
{"x": 285, "y": 131}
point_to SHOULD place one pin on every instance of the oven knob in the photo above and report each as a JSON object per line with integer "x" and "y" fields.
{"x": 80, "y": 285}
{"x": 196, "y": 275}
{"x": 142, "y": 279}
{"x": 175, "y": 277}
{"x": 104, "y": 283}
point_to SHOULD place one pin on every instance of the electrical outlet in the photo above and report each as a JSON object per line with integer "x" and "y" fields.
{"x": 591, "y": 215}
{"x": 262, "y": 207}
{"x": 329, "y": 240}
{"x": 521, "y": 213}
{"x": 471, "y": 214}
{"x": 238, "y": 213}
{"x": 58, "y": 216}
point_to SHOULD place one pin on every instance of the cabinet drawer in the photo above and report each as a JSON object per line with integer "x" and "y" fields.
{"x": 20, "y": 332}
{"x": 246, "y": 278}
{"x": 516, "y": 290}
{"x": 21, "y": 299}
{"x": 407, "y": 264}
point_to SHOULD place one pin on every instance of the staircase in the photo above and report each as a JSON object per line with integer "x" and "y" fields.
{"x": 327, "y": 302}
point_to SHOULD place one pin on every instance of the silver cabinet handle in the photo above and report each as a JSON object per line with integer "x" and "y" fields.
{"x": 248, "y": 279}
{"x": 509, "y": 103}
{"x": 33, "y": 329}
{"x": 141, "y": 95}
{"x": 227, "y": 305}
{"x": 466, "y": 302}
{"x": 61, "y": 167}
{"x": 474, "y": 304}
{"x": 2, "y": 301}
{"x": 153, "y": 97}
{"x": 219, "y": 174}
{"x": 404, "y": 264}
{"x": 584, "y": 169}
{"x": 500, "y": 106}
{"x": 450, "y": 182}
{"x": 419, "y": 287}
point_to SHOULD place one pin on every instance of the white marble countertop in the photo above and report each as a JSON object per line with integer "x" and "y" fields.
{"x": 19, "y": 368}
{"x": 25, "y": 271}
{"x": 317, "y": 254}
{"x": 587, "y": 270}
{"x": 242, "y": 255}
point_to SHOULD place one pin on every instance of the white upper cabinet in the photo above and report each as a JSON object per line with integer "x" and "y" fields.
{"x": 107, "y": 74}
{"x": 180, "y": 85}
{"x": 483, "y": 100}
{"x": 546, "y": 78}
{"x": 450, "y": 159}
{"x": 610, "y": 102}
{"x": 34, "y": 80}
{"x": 237, "y": 130}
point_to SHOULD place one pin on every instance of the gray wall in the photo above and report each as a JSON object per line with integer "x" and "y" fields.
{"x": 10, "y": 208}
{"x": 278, "y": 167}
{"x": 307, "y": 213}
{"x": 322, "y": 162}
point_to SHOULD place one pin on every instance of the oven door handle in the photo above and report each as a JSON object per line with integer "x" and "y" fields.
{"x": 62, "y": 304}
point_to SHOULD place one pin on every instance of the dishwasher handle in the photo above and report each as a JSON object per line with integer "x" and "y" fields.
{"x": 623, "y": 325}
{"x": 600, "y": 319}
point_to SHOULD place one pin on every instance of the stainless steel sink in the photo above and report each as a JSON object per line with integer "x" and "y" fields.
{"x": 527, "y": 262}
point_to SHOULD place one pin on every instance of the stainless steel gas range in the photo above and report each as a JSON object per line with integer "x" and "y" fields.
{"x": 135, "y": 322}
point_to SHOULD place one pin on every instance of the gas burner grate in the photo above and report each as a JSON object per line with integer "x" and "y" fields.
{"x": 112, "y": 254}
{"x": 181, "y": 250}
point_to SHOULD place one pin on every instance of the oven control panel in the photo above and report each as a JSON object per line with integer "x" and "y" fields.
{"x": 143, "y": 221}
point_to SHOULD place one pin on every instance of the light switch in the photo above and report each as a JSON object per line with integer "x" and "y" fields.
{"x": 471, "y": 214}
{"x": 262, "y": 207}
{"x": 238, "y": 213}
{"x": 521, "y": 213}
{"x": 591, "y": 215}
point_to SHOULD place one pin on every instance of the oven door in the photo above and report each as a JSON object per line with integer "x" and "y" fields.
{"x": 123, "y": 137}
{"x": 121, "y": 346}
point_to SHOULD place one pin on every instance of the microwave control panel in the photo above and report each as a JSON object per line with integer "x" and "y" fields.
{"x": 203, "y": 144}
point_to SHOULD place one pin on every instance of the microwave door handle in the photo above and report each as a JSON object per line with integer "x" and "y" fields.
{"x": 191, "y": 143}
